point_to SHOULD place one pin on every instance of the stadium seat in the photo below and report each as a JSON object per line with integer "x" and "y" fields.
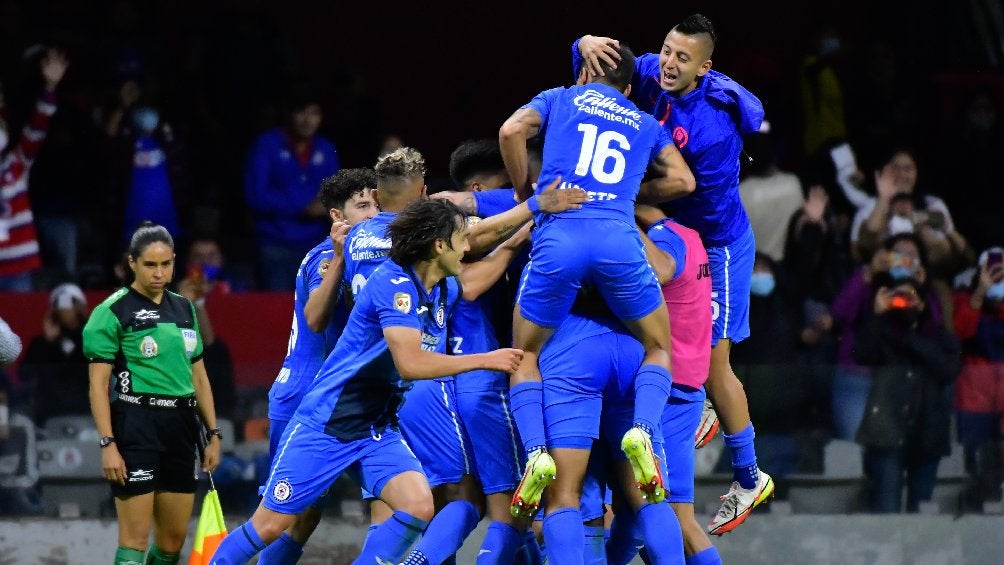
{"x": 78, "y": 426}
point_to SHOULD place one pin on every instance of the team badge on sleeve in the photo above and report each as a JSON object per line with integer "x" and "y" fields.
{"x": 282, "y": 491}
{"x": 148, "y": 347}
{"x": 441, "y": 316}
{"x": 322, "y": 269}
{"x": 402, "y": 302}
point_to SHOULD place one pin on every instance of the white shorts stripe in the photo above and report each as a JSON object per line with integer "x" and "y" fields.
{"x": 456, "y": 427}
{"x": 725, "y": 322}
{"x": 278, "y": 457}
{"x": 512, "y": 431}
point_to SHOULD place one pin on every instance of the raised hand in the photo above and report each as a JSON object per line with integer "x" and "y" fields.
{"x": 595, "y": 49}
{"x": 53, "y": 67}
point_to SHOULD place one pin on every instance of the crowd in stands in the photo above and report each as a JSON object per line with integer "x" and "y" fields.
{"x": 877, "y": 313}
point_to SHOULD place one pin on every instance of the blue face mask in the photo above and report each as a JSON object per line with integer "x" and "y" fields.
{"x": 900, "y": 273}
{"x": 146, "y": 119}
{"x": 996, "y": 291}
{"x": 761, "y": 284}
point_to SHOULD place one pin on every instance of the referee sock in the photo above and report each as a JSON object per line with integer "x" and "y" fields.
{"x": 446, "y": 533}
{"x": 707, "y": 557}
{"x": 563, "y": 536}
{"x": 651, "y": 393}
{"x": 744, "y": 467}
{"x": 595, "y": 548}
{"x": 157, "y": 556}
{"x": 500, "y": 545}
{"x": 283, "y": 551}
{"x": 528, "y": 410}
{"x": 392, "y": 538}
{"x": 661, "y": 530}
{"x": 625, "y": 539}
{"x": 128, "y": 556}
{"x": 239, "y": 546}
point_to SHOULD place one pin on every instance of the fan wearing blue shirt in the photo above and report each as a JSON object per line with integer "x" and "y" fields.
{"x": 596, "y": 140}
{"x": 707, "y": 114}
{"x": 318, "y": 319}
{"x": 347, "y": 421}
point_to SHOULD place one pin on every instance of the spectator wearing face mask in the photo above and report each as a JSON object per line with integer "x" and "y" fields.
{"x": 905, "y": 429}
{"x": 979, "y": 393}
{"x": 900, "y": 258}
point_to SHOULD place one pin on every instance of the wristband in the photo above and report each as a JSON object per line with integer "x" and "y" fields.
{"x": 533, "y": 204}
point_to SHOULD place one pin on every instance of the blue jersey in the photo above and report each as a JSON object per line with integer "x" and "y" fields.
{"x": 367, "y": 246}
{"x": 358, "y": 390}
{"x": 306, "y": 350}
{"x": 495, "y": 201}
{"x": 471, "y": 331}
{"x": 597, "y": 140}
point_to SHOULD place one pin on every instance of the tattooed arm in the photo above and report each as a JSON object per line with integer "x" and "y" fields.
{"x": 490, "y": 231}
{"x": 463, "y": 199}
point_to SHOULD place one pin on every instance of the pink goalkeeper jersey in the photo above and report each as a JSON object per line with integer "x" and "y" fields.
{"x": 688, "y": 299}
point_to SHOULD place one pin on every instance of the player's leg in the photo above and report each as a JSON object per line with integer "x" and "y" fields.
{"x": 731, "y": 269}
{"x": 408, "y": 495}
{"x": 657, "y": 523}
{"x": 563, "y": 529}
{"x": 135, "y": 518}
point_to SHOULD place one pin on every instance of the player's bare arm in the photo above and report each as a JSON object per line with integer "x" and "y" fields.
{"x": 476, "y": 278}
{"x": 464, "y": 200}
{"x": 414, "y": 363}
{"x": 487, "y": 233}
{"x": 595, "y": 49}
{"x": 521, "y": 126}
{"x": 671, "y": 178}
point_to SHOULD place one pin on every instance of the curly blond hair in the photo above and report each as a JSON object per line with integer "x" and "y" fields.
{"x": 404, "y": 162}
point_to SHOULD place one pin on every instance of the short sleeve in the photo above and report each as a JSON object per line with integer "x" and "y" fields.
{"x": 543, "y": 103}
{"x": 101, "y": 336}
{"x": 670, "y": 242}
{"x": 494, "y": 202}
{"x": 199, "y": 347}
{"x": 314, "y": 268}
{"x": 662, "y": 139}
{"x": 395, "y": 305}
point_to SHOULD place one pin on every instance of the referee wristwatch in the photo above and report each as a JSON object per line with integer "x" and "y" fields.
{"x": 214, "y": 432}
{"x": 106, "y": 441}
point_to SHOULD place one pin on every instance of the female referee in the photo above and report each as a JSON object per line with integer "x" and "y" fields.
{"x": 148, "y": 338}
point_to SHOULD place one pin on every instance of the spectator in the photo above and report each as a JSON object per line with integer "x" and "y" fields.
{"x": 54, "y": 366}
{"x": 19, "y": 252}
{"x": 913, "y": 359}
{"x": 10, "y": 344}
{"x": 822, "y": 97}
{"x": 979, "y": 393}
{"x": 283, "y": 171}
{"x": 852, "y": 381}
{"x": 206, "y": 263}
{"x": 770, "y": 196}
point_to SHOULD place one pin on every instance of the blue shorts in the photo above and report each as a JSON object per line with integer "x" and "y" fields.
{"x": 430, "y": 423}
{"x": 605, "y": 253}
{"x": 576, "y": 381}
{"x": 679, "y": 420}
{"x": 308, "y": 461}
{"x": 498, "y": 452}
{"x": 731, "y": 269}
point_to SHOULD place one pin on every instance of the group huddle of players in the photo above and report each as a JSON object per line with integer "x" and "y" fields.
{"x": 620, "y": 317}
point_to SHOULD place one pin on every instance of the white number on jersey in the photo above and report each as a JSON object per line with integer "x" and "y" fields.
{"x": 596, "y": 151}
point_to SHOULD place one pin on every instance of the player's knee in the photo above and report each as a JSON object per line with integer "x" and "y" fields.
{"x": 419, "y": 505}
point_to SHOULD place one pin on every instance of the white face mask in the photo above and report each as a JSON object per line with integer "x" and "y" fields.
{"x": 899, "y": 224}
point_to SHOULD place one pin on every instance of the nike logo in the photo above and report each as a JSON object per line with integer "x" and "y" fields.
{"x": 484, "y": 551}
{"x": 399, "y": 280}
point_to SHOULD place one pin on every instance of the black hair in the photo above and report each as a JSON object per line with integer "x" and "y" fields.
{"x": 475, "y": 157}
{"x": 416, "y": 229}
{"x": 620, "y": 77}
{"x": 148, "y": 233}
{"x": 695, "y": 24}
{"x": 340, "y": 187}
{"x": 299, "y": 97}
{"x": 891, "y": 242}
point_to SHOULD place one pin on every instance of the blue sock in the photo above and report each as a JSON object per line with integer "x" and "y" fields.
{"x": 239, "y": 546}
{"x": 651, "y": 392}
{"x": 594, "y": 551}
{"x": 451, "y": 560}
{"x": 530, "y": 553}
{"x": 283, "y": 551}
{"x": 707, "y": 557}
{"x": 392, "y": 538}
{"x": 527, "y": 400}
{"x": 446, "y": 533}
{"x": 624, "y": 539}
{"x": 661, "y": 531}
{"x": 500, "y": 545}
{"x": 563, "y": 536}
{"x": 744, "y": 469}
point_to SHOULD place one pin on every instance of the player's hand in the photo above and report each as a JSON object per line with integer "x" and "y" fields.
{"x": 595, "y": 49}
{"x": 54, "y": 66}
{"x": 553, "y": 200}
{"x": 339, "y": 229}
{"x": 113, "y": 465}
{"x": 211, "y": 455}
{"x": 505, "y": 359}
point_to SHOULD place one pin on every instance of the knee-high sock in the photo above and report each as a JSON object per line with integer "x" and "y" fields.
{"x": 652, "y": 385}
{"x": 594, "y": 550}
{"x": 500, "y": 545}
{"x": 661, "y": 531}
{"x": 391, "y": 539}
{"x": 744, "y": 467}
{"x": 707, "y": 557}
{"x": 283, "y": 551}
{"x": 563, "y": 536}
{"x": 128, "y": 556}
{"x": 527, "y": 401}
{"x": 624, "y": 539}
{"x": 446, "y": 534}
{"x": 530, "y": 553}
{"x": 157, "y": 556}
{"x": 239, "y": 546}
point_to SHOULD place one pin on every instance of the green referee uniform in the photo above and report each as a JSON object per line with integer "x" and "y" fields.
{"x": 151, "y": 348}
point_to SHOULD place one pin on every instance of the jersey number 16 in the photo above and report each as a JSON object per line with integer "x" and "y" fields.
{"x": 597, "y": 150}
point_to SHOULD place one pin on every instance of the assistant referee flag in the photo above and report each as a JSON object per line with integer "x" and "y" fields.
{"x": 210, "y": 532}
